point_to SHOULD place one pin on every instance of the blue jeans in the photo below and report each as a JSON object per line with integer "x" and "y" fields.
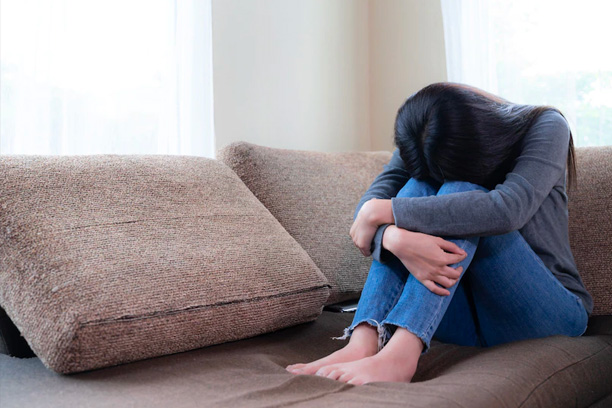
{"x": 505, "y": 292}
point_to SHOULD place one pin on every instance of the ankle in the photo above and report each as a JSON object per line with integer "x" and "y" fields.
{"x": 364, "y": 338}
{"x": 403, "y": 345}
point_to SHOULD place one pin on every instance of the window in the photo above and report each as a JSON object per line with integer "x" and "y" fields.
{"x": 539, "y": 52}
{"x": 106, "y": 76}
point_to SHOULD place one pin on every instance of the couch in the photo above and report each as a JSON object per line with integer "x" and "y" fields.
{"x": 184, "y": 281}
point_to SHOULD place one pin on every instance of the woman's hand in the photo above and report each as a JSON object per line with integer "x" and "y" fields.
{"x": 426, "y": 257}
{"x": 373, "y": 213}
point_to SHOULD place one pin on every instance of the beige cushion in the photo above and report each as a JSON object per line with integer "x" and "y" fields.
{"x": 314, "y": 196}
{"x": 109, "y": 259}
{"x": 590, "y": 224}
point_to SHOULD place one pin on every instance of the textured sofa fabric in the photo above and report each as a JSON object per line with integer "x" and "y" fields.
{"x": 555, "y": 372}
{"x": 551, "y": 372}
{"x": 590, "y": 224}
{"x": 313, "y": 195}
{"x": 110, "y": 259}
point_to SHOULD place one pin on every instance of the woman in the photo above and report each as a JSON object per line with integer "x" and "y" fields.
{"x": 489, "y": 176}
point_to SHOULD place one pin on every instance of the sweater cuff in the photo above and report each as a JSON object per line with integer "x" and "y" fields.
{"x": 378, "y": 252}
{"x": 403, "y": 208}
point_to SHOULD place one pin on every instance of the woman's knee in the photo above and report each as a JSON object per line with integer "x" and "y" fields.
{"x": 496, "y": 252}
{"x": 419, "y": 188}
{"x": 458, "y": 186}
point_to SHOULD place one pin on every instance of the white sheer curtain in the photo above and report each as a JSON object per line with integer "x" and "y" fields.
{"x": 106, "y": 76}
{"x": 540, "y": 52}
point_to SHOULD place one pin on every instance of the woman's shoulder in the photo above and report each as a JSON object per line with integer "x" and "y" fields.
{"x": 552, "y": 117}
{"x": 549, "y": 125}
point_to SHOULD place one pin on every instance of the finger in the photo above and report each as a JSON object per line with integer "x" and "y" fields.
{"x": 454, "y": 258}
{"x": 436, "y": 289}
{"x": 451, "y": 247}
{"x": 444, "y": 281}
{"x": 453, "y": 273}
{"x": 364, "y": 251}
{"x": 363, "y": 246}
{"x": 358, "y": 245}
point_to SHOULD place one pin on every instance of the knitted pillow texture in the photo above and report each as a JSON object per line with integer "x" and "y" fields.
{"x": 590, "y": 224}
{"x": 314, "y": 196}
{"x": 108, "y": 259}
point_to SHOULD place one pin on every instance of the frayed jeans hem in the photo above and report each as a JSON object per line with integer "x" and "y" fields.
{"x": 424, "y": 339}
{"x": 383, "y": 333}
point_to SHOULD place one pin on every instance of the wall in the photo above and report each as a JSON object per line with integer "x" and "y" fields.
{"x": 291, "y": 73}
{"x": 320, "y": 74}
{"x": 406, "y": 47}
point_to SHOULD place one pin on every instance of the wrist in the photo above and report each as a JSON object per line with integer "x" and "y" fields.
{"x": 389, "y": 238}
{"x": 395, "y": 238}
{"x": 380, "y": 212}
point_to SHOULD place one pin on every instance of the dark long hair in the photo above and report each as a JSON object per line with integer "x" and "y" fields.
{"x": 449, "y": 131}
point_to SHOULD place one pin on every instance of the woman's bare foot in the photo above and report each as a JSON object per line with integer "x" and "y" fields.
{"x": 396, "y": 362}
{"x": 362, "y": 343}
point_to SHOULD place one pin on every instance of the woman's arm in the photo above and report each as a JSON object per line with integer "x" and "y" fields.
{"x": 373, "y": 214}
{"x": 367, "y": 230}
{"x": 428, "y": 258}
{"x": 388, "y": 183}
{"x": 506, "y": 208}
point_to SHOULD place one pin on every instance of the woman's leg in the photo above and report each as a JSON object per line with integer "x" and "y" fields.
{"x": 513, "y": 294}
{"x": 413, "y": 321}
{"x": 385, "y": 281}
{"x": 381, "y": 291}
{"x": 459, "y": 324}
{"x": 421, "y": 312}
{"x": 517, "y": 297}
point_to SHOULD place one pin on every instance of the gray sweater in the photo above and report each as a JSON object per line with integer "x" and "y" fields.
{"x": 532, "y": 199}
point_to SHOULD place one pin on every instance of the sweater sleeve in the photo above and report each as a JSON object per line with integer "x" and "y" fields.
{"x": 385, "y": 186}
{"x": 388, "y": 183}
{"x": 510, "y": 205}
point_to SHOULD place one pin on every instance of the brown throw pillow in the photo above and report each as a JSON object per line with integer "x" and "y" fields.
{"x": 590, "y": 224}
{"x": 109, "y": 259}
{"x": 314, "y": 196}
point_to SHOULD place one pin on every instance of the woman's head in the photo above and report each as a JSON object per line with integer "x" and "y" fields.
{"x": 450, "y": 131}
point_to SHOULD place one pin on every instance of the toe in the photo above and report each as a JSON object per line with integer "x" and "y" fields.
{"x": 334, "y": 374}
{"x": 356, "y": 381}
{"x": 295, "y": 366}
{"x": 324, "y": 371}
{"x": 346, "y": 377}
{"x": 308, "y": 369}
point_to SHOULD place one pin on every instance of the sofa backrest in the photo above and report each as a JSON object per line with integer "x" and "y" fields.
{"x": 590, "y": 224}
{"x": 313, "y": 195}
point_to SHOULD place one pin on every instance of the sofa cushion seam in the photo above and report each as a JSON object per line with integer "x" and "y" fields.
{"x": 196, "y": 308}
